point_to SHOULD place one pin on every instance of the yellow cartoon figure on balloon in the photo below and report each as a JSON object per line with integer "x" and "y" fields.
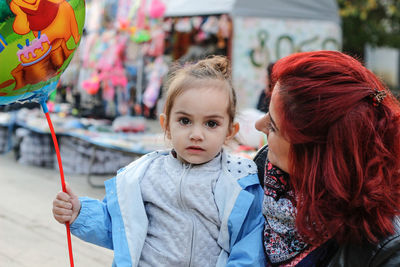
{"x": 51, "y": 34}
{"x": 47, "y": 16}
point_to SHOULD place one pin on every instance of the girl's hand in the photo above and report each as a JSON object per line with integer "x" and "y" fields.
{"x": 66, "y": 206}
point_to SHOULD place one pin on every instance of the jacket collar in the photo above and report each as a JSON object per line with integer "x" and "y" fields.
{"x": 176, "y": 167}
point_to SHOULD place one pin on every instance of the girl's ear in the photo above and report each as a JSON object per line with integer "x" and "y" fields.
{"x": 163, "y": 123}
{"x": 234, "y": 129}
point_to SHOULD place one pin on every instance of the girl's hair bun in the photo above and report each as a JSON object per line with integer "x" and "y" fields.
{"x": 219, "y": 64}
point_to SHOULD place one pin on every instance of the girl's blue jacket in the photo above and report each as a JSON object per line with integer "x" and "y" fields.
{"x": 119, "y": 222}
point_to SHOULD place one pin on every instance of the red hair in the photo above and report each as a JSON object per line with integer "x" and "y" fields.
{"x": 345, "y": 151}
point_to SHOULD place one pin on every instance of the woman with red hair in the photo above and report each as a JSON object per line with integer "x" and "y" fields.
{"x": 331, "y": 171}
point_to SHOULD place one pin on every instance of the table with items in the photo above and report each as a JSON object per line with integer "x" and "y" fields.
{"x": 87, "y": 146}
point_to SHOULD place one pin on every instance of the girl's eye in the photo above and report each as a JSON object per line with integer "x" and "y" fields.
{"x": 212, "y": 124}
{"x": 184, "y": 121}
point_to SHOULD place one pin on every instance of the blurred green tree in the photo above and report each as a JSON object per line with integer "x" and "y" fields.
{"x": 376, "y": 22}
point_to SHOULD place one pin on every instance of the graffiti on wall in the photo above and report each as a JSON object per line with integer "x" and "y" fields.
{"x": 284, "y": 45}
{"x": 260, "y": 41}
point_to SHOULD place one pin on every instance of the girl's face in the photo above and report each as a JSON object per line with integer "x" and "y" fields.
{"x": 278, "y": 153}
{"x": 199, "y": 124}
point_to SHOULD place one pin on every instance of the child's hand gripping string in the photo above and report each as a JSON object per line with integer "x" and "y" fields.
{"x": 66, "y": 206}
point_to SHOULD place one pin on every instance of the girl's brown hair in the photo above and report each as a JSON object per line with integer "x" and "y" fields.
{"x": 214, "y": 72}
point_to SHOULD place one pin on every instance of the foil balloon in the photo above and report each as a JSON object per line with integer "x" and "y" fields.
{"x": 37, "y": 42}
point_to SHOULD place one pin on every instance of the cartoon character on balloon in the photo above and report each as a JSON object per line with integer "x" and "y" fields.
{"x": 37, "y": 41}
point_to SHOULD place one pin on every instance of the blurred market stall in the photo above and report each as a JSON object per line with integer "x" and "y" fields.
{"x": 254, "y": 33}
{"x": 129, "y": 46}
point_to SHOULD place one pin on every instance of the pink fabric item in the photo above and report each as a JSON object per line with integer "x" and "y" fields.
{"x": 156, "y": 47}
{"x": 299, "y": 257}
{"x": 141, "y": 16}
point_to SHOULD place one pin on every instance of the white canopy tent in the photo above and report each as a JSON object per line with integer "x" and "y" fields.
{"x": 298, "y": 9}
{"x": 181, "y": 8}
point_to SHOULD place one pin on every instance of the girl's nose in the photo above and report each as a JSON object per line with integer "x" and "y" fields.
{"x": 196, "y": 134}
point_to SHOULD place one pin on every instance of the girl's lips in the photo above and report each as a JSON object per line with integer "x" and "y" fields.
{"x": 195, "y": 148}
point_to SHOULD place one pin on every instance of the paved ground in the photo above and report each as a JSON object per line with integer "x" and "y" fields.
{"x": 29, "y": 235}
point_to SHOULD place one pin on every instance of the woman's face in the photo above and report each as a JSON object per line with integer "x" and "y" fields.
{"x": 278, "y": 153}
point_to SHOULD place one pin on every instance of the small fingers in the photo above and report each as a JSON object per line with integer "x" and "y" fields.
{"x": 62, "y": 211}
{"x": 62, "y": 204}
{"x": 62, "y": 218}
{"x": 63, "y": 196}
{"x": 62, "y": 215}
{"x": 62, "y": 207}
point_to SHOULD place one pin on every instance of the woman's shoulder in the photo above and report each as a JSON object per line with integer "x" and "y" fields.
{"x": 260, "y": 159}
{"x": 388, "y": 253}
{"x": 261, "y": 156}
{"x": 385, "y": 253}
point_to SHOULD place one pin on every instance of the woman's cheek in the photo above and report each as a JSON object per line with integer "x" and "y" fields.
{"x": 271, "y": 157}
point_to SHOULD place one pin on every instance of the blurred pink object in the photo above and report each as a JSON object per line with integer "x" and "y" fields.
{"x": 152, "y": 91}
{"x": 201, "y": 36}
{"x": 141, "y": 16}
{"x": 129, "y": 124}
{"x": 92, "y": 85}
{"x": 157, "y": 9}
{"x": 156, "y": 47}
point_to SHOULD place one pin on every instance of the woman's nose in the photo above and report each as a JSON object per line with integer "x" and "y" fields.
{"x": 262, "y": 124}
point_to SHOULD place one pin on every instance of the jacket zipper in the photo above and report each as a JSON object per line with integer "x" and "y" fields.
{"x": 184, "y": 207}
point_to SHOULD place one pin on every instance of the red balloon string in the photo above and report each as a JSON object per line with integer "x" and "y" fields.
{"x": 53, "y": 135}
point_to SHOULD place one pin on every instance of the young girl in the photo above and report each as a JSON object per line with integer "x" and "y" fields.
{"x": 194, "y": 205}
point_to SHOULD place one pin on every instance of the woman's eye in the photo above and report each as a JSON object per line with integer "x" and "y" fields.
{"x": 211, "y": 124}
{"x": 184, "y": 121}
{"x": 270, "y": 127}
